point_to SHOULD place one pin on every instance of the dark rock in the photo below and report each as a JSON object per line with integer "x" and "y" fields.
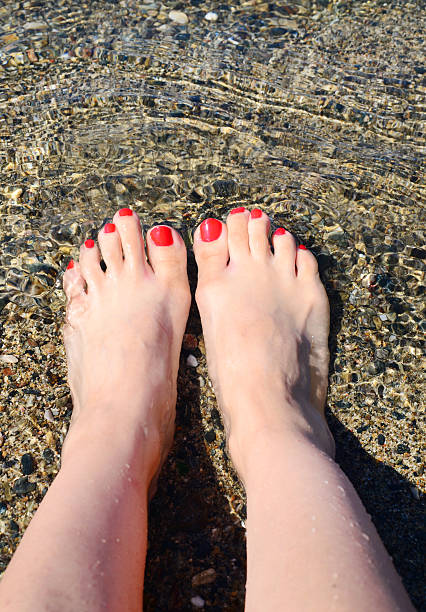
{"x": 22, "y": 486}
{"x": 210, "y": 436}
{"x": 3, "y": 507}
{"x": 381, "y": 439}
{"x": 225, "y": 188}
{"x": 14, "y": 527}
{"x": 402, "y": 448}
{"x": 27, "y": 464}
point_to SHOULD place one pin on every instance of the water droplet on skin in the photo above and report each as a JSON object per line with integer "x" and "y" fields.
{"x": 314, "y": 518}
{"x": 117, "y": 539}
{"x": 103, "y": 541}
{"x": 313, "y": 530}
{"x": 351, "y": 524}
{"x": 127, "y": 465}
{"x": 129, "y": 480}
{"x": 325, "y": 481}
{"x": 145, "y": 431}
{"x": 335, "y": 576}
{"x": 366, "y": 537}
{"x": 342, "y": 490}
{"x": 116, "y": 500}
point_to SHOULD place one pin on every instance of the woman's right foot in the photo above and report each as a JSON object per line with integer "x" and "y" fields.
{"x": 265, "y": 320}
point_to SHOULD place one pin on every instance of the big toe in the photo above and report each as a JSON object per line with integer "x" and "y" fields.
{"x": 211, "y": 247}
{"x": 167, "y": 253}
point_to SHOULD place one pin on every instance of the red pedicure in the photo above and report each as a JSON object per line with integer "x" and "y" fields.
{"x": 162, "y": 235}
{"x": 302, "y": 246}
{"x": 210, "y": 230}
{"x": 279, "y": 232}
{"x": 240, "y": 209}
{"x": 109, "y": 228}
{"x": 125, "y": 212}
{"x": 89, "y": 244}
{"x": 70, "y": 264}
{"x": 256, "y": 213}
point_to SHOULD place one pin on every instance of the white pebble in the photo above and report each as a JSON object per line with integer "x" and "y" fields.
{"x": 178, "y": 17}
{"x": 210, "y": 16}
{"x": 191, "y": 361}
{"x": 198, "y": 601}
{"x": 383, "y": 317}
{"x": 8, "y": 359}
{"x": 48, "y": 415}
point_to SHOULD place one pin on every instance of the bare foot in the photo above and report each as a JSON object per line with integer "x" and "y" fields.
{"x": 123, "y": 335}
{"x": 265, "y": 321}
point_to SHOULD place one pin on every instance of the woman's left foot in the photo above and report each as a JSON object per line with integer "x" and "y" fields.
{"x": 123, "y": 335}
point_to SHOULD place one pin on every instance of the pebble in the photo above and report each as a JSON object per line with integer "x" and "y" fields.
{"x": 22, "y": 486}
{"x": 198, "y": 601}
{"x": 27, "y": 464}
{"x": 415, "y": 493}
{"x": 211, "y": 16}
{"x": 48, "y": 415}
{"x": 8, "y": 359}
{"x": 190, "y": 341}
{"x": 178, "y": 17}
{"x": 205, "y": 577}
{"x": 191, "y": 361}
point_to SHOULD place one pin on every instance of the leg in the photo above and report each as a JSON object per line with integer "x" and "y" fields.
{"x": 85, "y": 548}
{"x": 265, "y": 316}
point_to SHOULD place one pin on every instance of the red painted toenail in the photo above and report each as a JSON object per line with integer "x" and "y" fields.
{"x": 89, "y": 244}
{"x": 70, "y": 265}
{"x": 162, "y": 235}
{"x": 109, "y": 228}
{"x": 240, "y": 209}
{"x": 125, "y": 212}
{"x": 302, "y": 246}
{"x": 256, "y": 213}
{"x": 279, "y": 232}
{"x": 210, "y": 230}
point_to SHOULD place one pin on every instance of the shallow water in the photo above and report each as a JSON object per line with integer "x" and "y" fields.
{"x": 312, "y": 113}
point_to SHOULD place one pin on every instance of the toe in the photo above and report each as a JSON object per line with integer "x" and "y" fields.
{"x": 306, "y": 263}
{"x": 258, "y": 228}
{"x": 237, "y": 225}
{"x": 284, "y": 251}
{"x": 112, "y": 254}
{"x": 90, "y": 260}
{"x": 166, "y": 253}
{"x": 129, "y": 228}
{"x": 211, "y": 247}
{"x": 73, "y": 281}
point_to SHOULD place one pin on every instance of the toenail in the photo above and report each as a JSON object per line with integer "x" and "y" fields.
{"x": 302, "y": 246}
{"x": 89, "y": 244}
{"x": 70, "y": 265}
{"x": 240, "y": 209}
{"x": 125, "y": 212}
{"x": 256, "y": 213}
{"x": 109, "y": 228}
{"x": 279, "y": 232}
{"x": 210, "y": 230}
{"x": 162, "y": 235}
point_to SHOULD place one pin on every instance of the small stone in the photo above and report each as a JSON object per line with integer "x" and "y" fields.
{"x": 191, "y": 361}
{"x": 198, "y": 601}
{"x": 178, "y": 17}
{"x": 205, "y": 577}
{"x": 22, "y": 486}
{"x": 27, "y": 464}
{"x": 210, "y": 16}
{"x": 8, "y": 359}
{"x": 14, "y": 527}
{"x": 48, "y": 415}
{"x": 3, "y": 507}
{"x": 415, "y": 493}
{"x": 49, "y": 348}
{"x": 32, "y": 56}
{"x": 402, "y": 448}
{"x": 381, "y": 439}
{"x": 190, "y": 341}
{"x": 48, "y": 455}
{"x": 210, "y": 436}
{"x": 383, "y": 317}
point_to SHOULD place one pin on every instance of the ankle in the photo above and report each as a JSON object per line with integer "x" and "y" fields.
{"x": 291, "y": 424}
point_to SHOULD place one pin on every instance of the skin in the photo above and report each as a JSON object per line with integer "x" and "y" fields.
{"x": 265, "y": 316}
